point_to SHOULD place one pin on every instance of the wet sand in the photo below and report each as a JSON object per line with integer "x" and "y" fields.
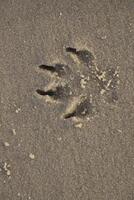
{"x": 66, "y": 100}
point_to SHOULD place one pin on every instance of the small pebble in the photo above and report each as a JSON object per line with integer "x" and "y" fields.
{"x": 6, "y": 144}
{"x": 78, "y": 125}
{"x": 103, "y": 37}
{"x": 8, "y": 173}
{"x": 83, "y": 83}
{"x": 32, "y": 156}
{"x": 18, "y": 110}
{"x": 6, "y": 168}
{"x": 18, "y": 194}
{"x": 102, "y": 91}
{"x": 59, "y": 138}
{"x": 14, "y": 131}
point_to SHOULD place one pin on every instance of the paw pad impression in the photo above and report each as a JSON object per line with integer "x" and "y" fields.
{"x": 79, "y": 85}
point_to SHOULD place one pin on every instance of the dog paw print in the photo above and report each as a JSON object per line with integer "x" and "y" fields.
{"x": 78, "y": 85}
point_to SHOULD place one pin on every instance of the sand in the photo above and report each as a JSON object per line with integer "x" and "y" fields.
{"x": 66, "y": 100}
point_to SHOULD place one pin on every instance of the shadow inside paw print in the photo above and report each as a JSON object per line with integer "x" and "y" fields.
{"x": 78, "y": 85}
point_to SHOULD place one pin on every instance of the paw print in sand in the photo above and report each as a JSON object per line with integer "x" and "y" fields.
{"x": 79, "y": 85}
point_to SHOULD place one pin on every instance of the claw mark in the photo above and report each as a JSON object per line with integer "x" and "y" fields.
{"x": 71, "y": 50}
{"x": 78, "y": 106}
{"x": 57, "y": 89}
{"x": 53, "y": 92}
{"x": 57, "y": 68}
{"x": 43, "y": 93}
{"x": 83, "y": 55}
{"x": 47, "y": 67}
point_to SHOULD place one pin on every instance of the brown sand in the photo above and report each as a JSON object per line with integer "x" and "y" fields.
{"x": 73, "y": 140}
